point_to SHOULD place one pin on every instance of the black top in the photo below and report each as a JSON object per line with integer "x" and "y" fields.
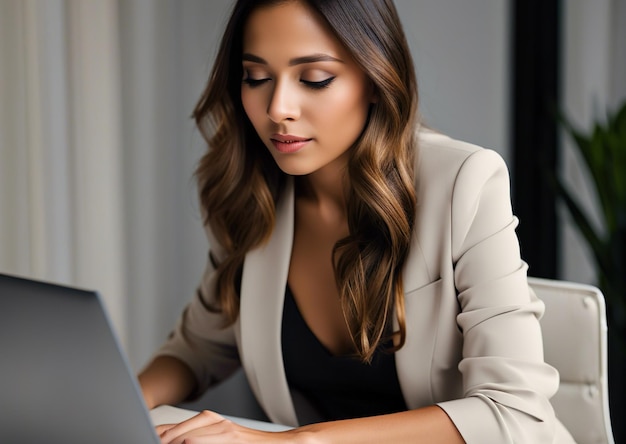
{"x": 340, "y": 387}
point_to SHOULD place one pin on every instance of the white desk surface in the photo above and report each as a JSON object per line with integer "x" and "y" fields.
{"x": 166, "y": 414}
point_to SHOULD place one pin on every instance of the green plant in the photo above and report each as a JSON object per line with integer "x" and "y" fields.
{"x": 603, "y": 151}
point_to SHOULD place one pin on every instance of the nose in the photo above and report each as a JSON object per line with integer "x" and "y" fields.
{"x": 283, "y": 104}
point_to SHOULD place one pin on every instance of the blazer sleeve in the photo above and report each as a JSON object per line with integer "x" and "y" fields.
{"x": 200, "y": 339}
{"x": 506, "y": 383}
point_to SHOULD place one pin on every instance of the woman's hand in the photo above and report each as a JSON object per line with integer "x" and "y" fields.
{"x": 426, "y": 425}
{"x": 210, "y": 427}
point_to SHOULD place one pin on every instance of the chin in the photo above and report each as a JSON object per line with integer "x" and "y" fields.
{"x": 293, "y": 171}
{"x": 292, "y": 166}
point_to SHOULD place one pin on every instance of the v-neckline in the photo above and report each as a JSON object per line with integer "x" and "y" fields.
{"x": 289, "y": 298}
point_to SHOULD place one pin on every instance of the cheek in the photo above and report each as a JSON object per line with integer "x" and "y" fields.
{"x": 252, "y": 106}
{"x": 347, "y": 109}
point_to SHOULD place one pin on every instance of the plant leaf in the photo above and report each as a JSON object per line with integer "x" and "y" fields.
{"x": 583, "y": 225}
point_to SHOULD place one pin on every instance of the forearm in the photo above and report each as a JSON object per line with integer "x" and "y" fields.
{"x": 166, "y": 380}
{"x": 427, "y": 425}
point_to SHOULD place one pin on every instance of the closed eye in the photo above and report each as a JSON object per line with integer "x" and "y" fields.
{"x": 318, "y": 85}
{"x": 254, "y": 82}
{"x": 309, "y": 84}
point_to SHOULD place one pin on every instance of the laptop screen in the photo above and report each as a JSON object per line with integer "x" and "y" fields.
{"x": 63, "y": 376}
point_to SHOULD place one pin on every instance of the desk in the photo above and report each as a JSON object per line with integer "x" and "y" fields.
{"x": 166, "y": 414}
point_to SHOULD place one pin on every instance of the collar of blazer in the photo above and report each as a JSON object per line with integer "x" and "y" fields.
{"x": 263, "y": 284}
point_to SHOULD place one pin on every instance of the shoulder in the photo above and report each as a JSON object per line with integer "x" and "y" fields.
{"x": 441, "y": 152}
{"x": 458, "y": 182}
{"x": 446, "y": 163}
{"x": 432, "y": 140}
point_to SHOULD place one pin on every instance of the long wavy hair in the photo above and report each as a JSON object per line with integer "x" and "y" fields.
{"x": 240, "y": 184}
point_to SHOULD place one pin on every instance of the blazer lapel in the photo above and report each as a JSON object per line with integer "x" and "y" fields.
{"x": 414, "y": 359}
{"x": 263, "y": 286}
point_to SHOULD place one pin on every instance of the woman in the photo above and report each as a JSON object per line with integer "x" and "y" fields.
{"x": 363, "y": 270}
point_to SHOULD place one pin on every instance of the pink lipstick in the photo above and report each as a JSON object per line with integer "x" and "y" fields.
{"x": 286, "y": 143}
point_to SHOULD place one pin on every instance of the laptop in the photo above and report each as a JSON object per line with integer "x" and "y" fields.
{"x": 63, "y": 376}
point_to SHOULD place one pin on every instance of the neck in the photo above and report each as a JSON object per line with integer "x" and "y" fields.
{"x": 325, "y": 189}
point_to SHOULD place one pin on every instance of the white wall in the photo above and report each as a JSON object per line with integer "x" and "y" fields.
{"x": 461, "y": 54}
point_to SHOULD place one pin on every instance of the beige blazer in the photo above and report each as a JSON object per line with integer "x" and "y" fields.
{"x": 473, "y": 343}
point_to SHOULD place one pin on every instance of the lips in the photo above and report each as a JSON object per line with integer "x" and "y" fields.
{"x": 286, "y": 143}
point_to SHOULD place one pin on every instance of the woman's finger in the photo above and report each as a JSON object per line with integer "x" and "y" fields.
{"x": 163, "y": 427}
{"x": 169, "y": 432}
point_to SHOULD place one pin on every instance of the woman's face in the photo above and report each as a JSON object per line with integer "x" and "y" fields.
{"x": 303, "y": 93}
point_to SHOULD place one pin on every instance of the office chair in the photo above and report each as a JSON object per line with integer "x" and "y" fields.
{"x": 575, "y": 343}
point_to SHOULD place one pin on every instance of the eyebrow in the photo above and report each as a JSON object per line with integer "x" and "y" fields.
{"x": 295, "y": 61}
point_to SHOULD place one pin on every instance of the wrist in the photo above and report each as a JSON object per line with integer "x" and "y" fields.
{"x": 305, "y": 435}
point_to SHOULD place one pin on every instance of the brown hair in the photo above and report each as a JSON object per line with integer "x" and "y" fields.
{"x": 240, "y": 183}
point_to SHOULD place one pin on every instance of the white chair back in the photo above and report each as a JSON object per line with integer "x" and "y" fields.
{"x": 575, "y": 343}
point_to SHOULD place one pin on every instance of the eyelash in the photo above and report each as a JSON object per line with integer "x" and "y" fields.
{"x": 253, "y": 83}
{"x": 319, "y": 85}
